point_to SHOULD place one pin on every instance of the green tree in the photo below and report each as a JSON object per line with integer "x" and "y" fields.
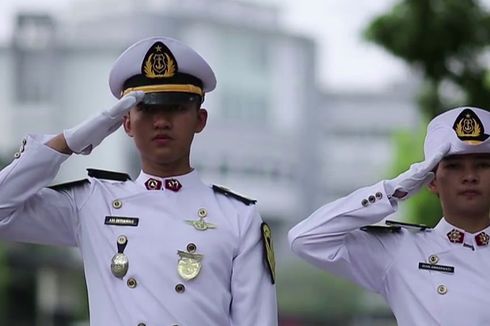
{"x": 423, "y": 207}
{"x": 446, "y": 41}
{"x": 324, "y": 299}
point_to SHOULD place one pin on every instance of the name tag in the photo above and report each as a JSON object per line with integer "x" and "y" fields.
{"x": 438, "y": 268}
{"x": 121, "y": 220}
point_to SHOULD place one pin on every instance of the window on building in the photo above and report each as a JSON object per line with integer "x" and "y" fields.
{"x": 245, "y": 77}
{"x": 34, "y": 58}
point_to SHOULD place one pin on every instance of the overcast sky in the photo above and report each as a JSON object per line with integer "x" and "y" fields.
{"x": 345, "y": 60}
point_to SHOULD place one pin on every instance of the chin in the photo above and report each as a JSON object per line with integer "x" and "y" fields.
{"x": 163, "y": 161}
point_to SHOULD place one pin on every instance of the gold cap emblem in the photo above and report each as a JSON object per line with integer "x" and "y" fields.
{"x": 468, "y": 127}
{"x": 159, "y": 62}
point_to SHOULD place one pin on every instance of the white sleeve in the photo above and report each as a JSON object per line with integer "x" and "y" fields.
{"x": 29, "y": 212}
{"x": 332, "y": 240}
{"x": 254, "y": 296}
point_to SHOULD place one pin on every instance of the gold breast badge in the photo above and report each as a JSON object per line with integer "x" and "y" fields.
{"x": 201, "y": 224}
{"x": 189, "y": 264}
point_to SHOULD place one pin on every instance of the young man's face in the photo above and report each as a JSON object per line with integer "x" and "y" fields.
{"x": 463, "y": 185}
{"x": 163, "y": 134}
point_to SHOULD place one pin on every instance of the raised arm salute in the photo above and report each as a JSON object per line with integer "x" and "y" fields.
{"x": 165, "y": 249}
{"x": 427, "y": 276}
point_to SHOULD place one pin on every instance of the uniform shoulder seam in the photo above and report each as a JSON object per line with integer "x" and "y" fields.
{"x": 69, "y": 184}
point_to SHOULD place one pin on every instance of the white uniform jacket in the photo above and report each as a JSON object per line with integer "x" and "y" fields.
{"x": 425, "y": 278}
{"x": 233, "y": 285}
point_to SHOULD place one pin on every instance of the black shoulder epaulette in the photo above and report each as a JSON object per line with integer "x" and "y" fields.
{"x": 411, "y": 226}
{"x": 395, "y": 226}
{"x": 108, "y": 175}
{"x": 227, "y": 192}
{"x": 381, "y": 229}
{"x": 67, "y": 185}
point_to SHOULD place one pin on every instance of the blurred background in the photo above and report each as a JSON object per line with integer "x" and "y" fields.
{"x": 314, "y": 99}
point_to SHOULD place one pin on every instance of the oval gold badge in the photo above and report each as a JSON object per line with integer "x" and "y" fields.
{"x": 189, "y": 265}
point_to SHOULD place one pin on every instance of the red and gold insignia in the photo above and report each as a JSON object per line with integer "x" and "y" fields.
{"x": 468, "y": 127}
{"x": 159, "y": 62}
{"x": 269, "y": 250}
{"x": 173, "y": 184}
{"x": 153, "y": 184}
{"x": 455, "y": 236}
{"x": 482, "y": 239}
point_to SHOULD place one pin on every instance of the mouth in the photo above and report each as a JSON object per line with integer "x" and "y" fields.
{"x": 162, "y": 138}
{"x": 470, "y": 193}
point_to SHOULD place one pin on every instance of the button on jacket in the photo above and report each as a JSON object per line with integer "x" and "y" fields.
{"x": 424, "y": 277}
{"x": 228, "y": 282}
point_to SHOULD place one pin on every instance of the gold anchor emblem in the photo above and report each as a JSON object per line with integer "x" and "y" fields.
{"x": 200, "y": 224}
{"x": 159, "y": 62}
{"x": 189, "y": 265}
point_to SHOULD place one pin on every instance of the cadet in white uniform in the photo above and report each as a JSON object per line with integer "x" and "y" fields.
{"x": 428, "y": 276}
{"x": 165, "y": 249}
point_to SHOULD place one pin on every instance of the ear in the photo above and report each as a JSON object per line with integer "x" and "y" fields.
{"x": 202, "y": 118}
{"x": 127, "y": 125}
{"x": 432, "y": 186}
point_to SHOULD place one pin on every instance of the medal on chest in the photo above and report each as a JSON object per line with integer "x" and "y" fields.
{"x": 189, "y": 265}
{"x": 120, "y": 262}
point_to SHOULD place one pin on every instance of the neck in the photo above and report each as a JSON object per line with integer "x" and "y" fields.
{"x": 471, "y": 224}
{"x": 167, "y": 170}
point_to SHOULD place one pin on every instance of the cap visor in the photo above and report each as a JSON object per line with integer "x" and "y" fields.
{"x": 165, "y": 98}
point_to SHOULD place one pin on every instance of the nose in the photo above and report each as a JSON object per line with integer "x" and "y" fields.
{"x": 470, "y": 175}
{"x": 161, "y": 120}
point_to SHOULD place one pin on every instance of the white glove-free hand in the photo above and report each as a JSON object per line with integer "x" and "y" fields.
{"x": 90, "y": 133}
{"x": 418, "y": 175}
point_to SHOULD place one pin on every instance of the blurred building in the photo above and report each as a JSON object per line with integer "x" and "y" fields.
{"x": 258, "y": 138}
{"x": 356, "y": 146}
{"x": 272, "y": 134}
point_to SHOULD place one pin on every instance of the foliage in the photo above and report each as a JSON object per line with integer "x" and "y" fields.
{"x": 424, "y": 207}
{"x": 444, "y": 39}
{"x": 311, "y": 294}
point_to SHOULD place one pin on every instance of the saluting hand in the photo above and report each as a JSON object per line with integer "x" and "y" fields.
{"x": 418, "y": 175}
{"x": 90, "y": 133}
